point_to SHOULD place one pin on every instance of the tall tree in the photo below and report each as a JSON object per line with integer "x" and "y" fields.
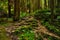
{"x": 49, "y": 4}
{"x": 29, "y": 6}
{"x": 23, "y": 6}
{"x": 16, "y": 10}
{"x": 58, "y": 7}
{"x": 52, "y": 10}
{"x": 45, "y": 4}
{"x": 58, "y": 3}
{"x": 38, "y": 1}
{"x": 37, "y": 4}
{"x": 9, "y": 8}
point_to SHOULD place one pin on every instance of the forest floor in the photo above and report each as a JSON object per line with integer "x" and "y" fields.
{"x": 6, "y": 31}
{"x": 3, "y": 35}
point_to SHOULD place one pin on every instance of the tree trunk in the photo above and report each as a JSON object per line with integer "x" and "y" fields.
{"x": 23, "y": 6}
{"x": 9, "y": 8}
{"x": 58, "y": 3}
{"x": 49, "y": 4}
{"x": 38, "y": 4}
{"x": 16, "y": 10}
{"x": 45, "y": 4}
{"x": 52, "y": 10}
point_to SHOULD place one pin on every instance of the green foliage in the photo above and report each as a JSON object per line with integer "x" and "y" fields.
{"x": 45, "y": 18}
{"x": 45, "y": 15}
{"x": 42, "y": 14}
{"x": 28, "y": 35}
{"x": 52, "y": 38}
{"x": 57, "y": 9}
{"x": 1, "y": 9}
{"x": 4, "y": 24}
{"x": 58, "y": 17}
{"x": 23, "y": 14}
{"x": 51, "y": 27}
{"x": 4, "y": 5}
{"x": 25, "y": 33}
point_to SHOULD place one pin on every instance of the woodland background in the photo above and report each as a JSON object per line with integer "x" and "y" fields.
{"x": 29, "y": 19}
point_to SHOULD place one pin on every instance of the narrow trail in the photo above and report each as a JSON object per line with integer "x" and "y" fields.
{"x": 6, "y": 31}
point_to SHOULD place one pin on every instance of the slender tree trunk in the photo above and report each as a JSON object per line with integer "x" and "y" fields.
{"x": 29, "y": 6}
{"x": 9, "y": 8}
{"x": 16, "y": 10}
{"x": 45, "y": 4}
{"x": 49, "y": 4}
{"x": 25, "y": 6}
{"x": 38, "y": 4}
{"x": 58, "y": 3}
{"x": 52, "y": 10}
{"x": 58, "y": 7}
{"x": 22, "y": 5}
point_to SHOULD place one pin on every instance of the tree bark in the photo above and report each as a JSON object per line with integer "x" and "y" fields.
{"x": 52, "y": 10}
{"x": 38, "y": 4}
{"x": 58, "y": 3}
{"x": 45, "y": 4}
{"x": 9, "y": 8}
{"x": 16, "y": 10}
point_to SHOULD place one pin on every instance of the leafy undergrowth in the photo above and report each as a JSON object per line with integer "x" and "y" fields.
{"x": 5, "y": 24}
{"x": 52, "y": 28}
{"x": 45, "y": 18}
{"x": 25, "y": 34}
{"x": 24, "y": 30}
{"x": 50, "y": 37}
